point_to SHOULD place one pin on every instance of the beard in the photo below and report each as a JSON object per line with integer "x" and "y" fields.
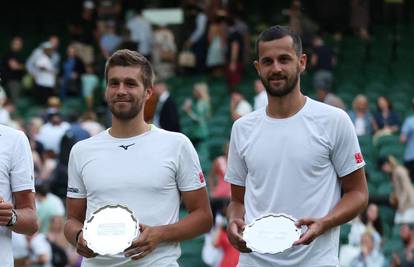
{"x": 280, "y": 91}
{"x": 127, "y": 114}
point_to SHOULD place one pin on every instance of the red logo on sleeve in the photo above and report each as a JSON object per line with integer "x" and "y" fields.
{"x": 201, "y": 176}
{"x": 358, "y": 157}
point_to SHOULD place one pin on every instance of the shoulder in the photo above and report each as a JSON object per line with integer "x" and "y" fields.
{"x": 249, "y": 121}
{"x": 8, "y": 134}
{"x": 169, "y": 137}
{"x": 89, "y": 142}
{"x": 322, "y": 112}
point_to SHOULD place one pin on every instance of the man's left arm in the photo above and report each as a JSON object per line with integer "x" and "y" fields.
{"x": 354, "y": 200}
{"x": 25, "y": 209}
{"x": 198, "y": 221}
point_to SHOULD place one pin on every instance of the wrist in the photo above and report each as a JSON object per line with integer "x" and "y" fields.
{"x": 13, "y": 219}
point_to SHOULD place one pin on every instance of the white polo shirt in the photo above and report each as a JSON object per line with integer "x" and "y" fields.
{"x": 145, "y": 173}
{"x": 292, "y": 166}
{"x": 16, "y": 174}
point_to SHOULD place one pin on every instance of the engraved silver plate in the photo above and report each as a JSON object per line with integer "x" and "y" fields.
{"x": 271, "y": 233}
{"x": 110, "y": 229}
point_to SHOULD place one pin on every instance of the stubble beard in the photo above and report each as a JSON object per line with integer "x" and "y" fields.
{"x": 284, "y": 90}
{"x": 126, "y": 115}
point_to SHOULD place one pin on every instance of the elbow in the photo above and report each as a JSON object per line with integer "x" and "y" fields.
{"x": 208, "y": 222}
{"x": 34, "y": 227}
{"x": 364, "y": 201}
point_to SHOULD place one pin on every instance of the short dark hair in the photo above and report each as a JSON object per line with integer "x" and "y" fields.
{"x": 278, "y": 32}
{"x": 127, "y": 58}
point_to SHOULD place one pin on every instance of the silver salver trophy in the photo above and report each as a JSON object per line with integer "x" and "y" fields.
{"x": 271, "y": 233}
{"x": 110, "y": 229}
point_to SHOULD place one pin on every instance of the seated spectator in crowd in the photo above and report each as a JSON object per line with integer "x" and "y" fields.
{"x": 31, "y": 251}
{"x": 164, "y": 52}
{"x": 53, "y": 42}
{"x": 141, "y": 33}
{"x": 369, "y": 256}
{"x": 217, "y": 35}
{"x": 260, "y": 100}
{"x": 218, "y": 188}
{"x": 407, "y": 137}
{"x": 234, "y": 56}
{"x": 52, "y": 131}
{"x": 109, "y": 40}
{"x": 386, "y": 118}
{"x": 361, "y": 117}
{"x": 166, "y": 113}
{"x": 12, "y": 68}
{"x": 199, "y": 112}
{"x": 90, "y": 83}
{"x": 90, "y": 123}
{"x": 326, "y": 96}
{"x": 72, "y": 69}
{"x": 48, "y": 206}
{"x": 239, "y": 105}
{"x": 368, "y": 221}
{"x": 322, "y": 60}
{"x": 402, "y": 196}
{"x": 405, "y": 257}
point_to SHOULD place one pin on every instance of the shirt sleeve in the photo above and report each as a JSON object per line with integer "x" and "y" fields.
{"x": 346, "y": 154}
{"x": 76, "y": 186}
{"x": 189, "y": 175}
{"x": 22, "y": 170}
{"x": 406, "y": 129}
{"x": 236, "y": 166}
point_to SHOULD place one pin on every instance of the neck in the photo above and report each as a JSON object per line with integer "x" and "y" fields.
{"x": 286, "y": 106}
{"x": 128, "y": 128}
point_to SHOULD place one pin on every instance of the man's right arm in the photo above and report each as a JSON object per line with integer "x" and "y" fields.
{"x": 76, "y": 210}
{"x": 235, "y": 216}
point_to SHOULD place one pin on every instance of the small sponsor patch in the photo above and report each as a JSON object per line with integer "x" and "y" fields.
{"x": 201, "y": 176}
{"x": 358, "y": 157}
{"x": 73, "y": 190}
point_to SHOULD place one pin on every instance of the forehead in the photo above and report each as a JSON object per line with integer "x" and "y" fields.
{"x": 123, "y": 72}
{"x": 276, "y": 47}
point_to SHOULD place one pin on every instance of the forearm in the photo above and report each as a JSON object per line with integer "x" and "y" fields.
{"x": 350, "y": 205}
{"x": 235, "y": 210}
{"x": 26, "y": 222}
{"x": 71, "y": 230}
{"x": 196, "y": 223}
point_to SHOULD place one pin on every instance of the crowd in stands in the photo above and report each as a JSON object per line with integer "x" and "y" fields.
{"x": 215, "y": 43}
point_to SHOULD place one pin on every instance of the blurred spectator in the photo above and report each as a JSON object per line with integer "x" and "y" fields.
{"x": 83, "y": 33}
{"x": 386, "y": 119}
{"x": 327, "y": 97}
{"x": 402, "y": 196}
{"x": 230, "y": 254}
{"x": 89, "y": 123}
{"x": 360, "y": 17}
{"x": 217, "y": 37}
{"x": 166, "y": 113}
{"x": 234, "y": 55}
{"x": 109, "y": 39}
{"x": 31, "y": 251}
{"x": 322, "y": 61}
{"x": 48, "y": 206}
{"x": 199, "y": 113}
{"x": 369, "y": 256}
{"x": 197, "y": 41}
{"x": 127, "y": 42}
{"x": 64, "y": 254}
{"x": 241, "y": 26}
{"x": 260, "y": 100}
{"x": 368, "y": 221}
{"x": 12, "y": 69}
{"x": 50, "y": 134}
{"x": 107, "y": 11}
{"x": 53, "y": 43}
{"x": 218, "y": 188}
{"x": 4, "y": 113}
{"x": 164, "y": 52}
{"x": 301, "y": 23}
{"x": 239, "y": 105}
{"x": 89, "y": 82}
{"x": 361, "y": 117}
{"x": 407, "y": 136}
{"x": 141, "y": 32}
{"x": 405, "y": 257}
{"x": 210, "y": 254}
{"x": 44, "y": 73}
{"x": 72, "y": 69}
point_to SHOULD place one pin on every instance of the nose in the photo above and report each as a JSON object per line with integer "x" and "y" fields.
{"x": 122, "y": 89}
{"x": 276, "y": 67}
